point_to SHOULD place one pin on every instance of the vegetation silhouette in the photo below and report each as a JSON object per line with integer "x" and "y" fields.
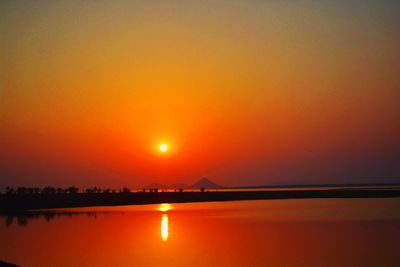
{"x": 26, "y": 198}
{"x": 58, "y": 190}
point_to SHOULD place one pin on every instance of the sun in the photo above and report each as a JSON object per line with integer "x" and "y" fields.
{"x": 163, "y": 148}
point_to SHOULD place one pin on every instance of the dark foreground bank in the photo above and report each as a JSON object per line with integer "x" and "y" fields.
{"x": 47, "y": 201}
{"x": 6, "y": 264}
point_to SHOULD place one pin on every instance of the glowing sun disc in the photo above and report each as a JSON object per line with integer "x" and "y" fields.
{"x": 163, "y": 147}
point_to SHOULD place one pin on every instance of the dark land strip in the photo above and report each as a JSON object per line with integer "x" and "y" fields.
{"x": 17, "y": 202}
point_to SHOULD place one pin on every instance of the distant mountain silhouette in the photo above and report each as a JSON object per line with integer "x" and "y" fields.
{"x": 202, "y": 183}
{"x": 206, "y": 183}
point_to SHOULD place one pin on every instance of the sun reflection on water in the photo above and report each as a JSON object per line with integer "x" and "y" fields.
{"x": 164, "y": 227}
{"x": 164, "y": 207}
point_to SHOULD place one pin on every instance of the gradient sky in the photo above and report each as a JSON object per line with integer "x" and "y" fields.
{"x": 244, "y": 92}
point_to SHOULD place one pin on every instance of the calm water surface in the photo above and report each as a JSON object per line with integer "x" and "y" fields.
{"x": 328, "y": 232}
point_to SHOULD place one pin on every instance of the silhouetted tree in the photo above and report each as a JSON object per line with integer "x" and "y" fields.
{"x": 10, "y": 190}
{"x": 21, "y": 190}
{"x": 72, "y": 190}
{"x": 25, "y": 190}
{"x": 93, "y": 190}
{"x": 88, "y": 191}
{"x": 29, "y": 190}
{"x": 48, "y": 190}
{"x": 60, "y": 190}
{"x": 126, "y": 190}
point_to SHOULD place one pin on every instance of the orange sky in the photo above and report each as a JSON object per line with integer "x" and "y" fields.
{"x": 245, "y": 93}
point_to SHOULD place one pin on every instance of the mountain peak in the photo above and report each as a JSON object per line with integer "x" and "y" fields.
{"x": 206, "y": 183}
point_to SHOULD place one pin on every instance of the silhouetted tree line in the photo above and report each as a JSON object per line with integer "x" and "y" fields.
{"x": 58, "y": 190}
{"x": 75, "y": 190}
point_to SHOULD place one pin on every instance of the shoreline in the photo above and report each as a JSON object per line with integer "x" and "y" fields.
{"x": 10, "y": 203}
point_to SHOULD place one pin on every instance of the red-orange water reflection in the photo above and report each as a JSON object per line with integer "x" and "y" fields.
{"x": 164, "y": 227}
{"x": 250, "y": 233}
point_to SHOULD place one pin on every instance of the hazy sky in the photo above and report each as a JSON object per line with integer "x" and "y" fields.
{"x": 243, "y": 92}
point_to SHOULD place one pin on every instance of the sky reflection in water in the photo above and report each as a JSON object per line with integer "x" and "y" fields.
{"x": 353, "y": 232}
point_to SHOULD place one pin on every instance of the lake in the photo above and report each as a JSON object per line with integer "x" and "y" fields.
{"x": 314, "y": 232}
